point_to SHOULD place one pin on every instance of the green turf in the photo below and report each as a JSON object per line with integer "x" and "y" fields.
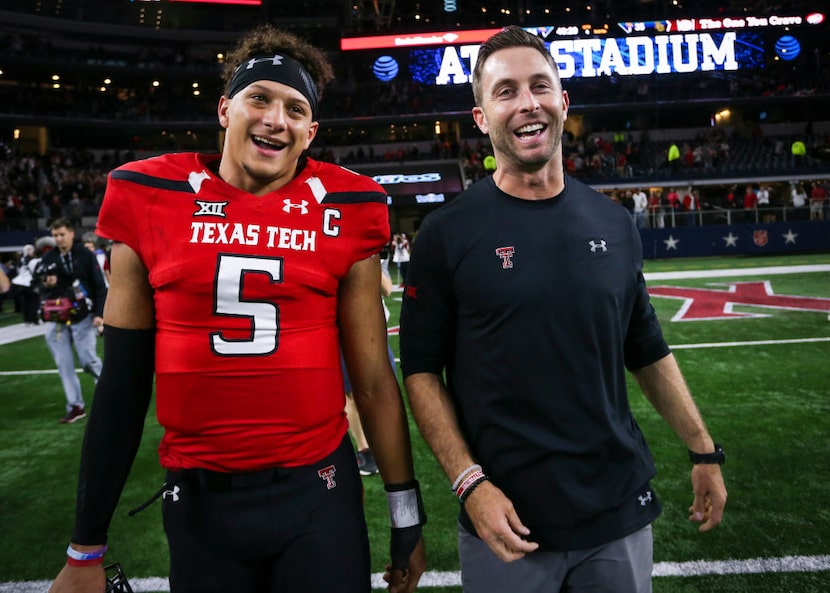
{"x": 768, "y": 404}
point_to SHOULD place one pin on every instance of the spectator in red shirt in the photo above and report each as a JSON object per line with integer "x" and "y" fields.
{"x": 690, "y": 204}
{"x": 750, "y": 198}
{"x": 674, "y": 205}
{"x": 818, "y": 199}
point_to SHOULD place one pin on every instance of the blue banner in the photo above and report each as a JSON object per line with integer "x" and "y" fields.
{"x": 736, "y": 239}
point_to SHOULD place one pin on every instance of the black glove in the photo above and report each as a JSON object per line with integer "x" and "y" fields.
{"x": 402, "y": 544}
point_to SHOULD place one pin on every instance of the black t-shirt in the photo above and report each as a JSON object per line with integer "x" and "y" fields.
{"x": 535, "y": 309}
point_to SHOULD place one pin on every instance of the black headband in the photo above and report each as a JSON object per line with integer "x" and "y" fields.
{"x": 279, "y": 68}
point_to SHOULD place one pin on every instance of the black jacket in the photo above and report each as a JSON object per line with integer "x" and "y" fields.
{"x": 85, "y": 268}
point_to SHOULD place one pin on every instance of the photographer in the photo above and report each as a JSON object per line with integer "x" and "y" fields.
{"x": 23, "y": 283}
{"x": 73, "y": 294}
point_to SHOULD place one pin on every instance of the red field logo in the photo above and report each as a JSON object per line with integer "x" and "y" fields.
{"x": 705, "y": 303}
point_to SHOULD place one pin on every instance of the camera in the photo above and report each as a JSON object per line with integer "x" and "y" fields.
{"x": 45, "y": 269}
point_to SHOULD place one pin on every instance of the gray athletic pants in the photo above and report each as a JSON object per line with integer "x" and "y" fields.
{"x": 621, "y": 565}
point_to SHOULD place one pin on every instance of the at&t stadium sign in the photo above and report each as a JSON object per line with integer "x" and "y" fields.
{"x": 586, "y": 51}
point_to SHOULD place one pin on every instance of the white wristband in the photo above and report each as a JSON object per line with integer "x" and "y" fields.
{"x": 94, "y": 555}
{"x": 403, "y": 508}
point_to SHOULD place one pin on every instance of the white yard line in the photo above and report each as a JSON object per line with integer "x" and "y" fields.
{"x": 770, "y": 271}
{"x": 754, "y": 343}
{"x": 453, "y": 578}
{"x": 673, "y": 347}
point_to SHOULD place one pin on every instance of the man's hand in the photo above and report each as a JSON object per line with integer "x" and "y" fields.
{"x": 497, "y": 523}
{"x": 80, "y": 579}
{"x": 405, "y": 580}
{"x": 710, "y": 496}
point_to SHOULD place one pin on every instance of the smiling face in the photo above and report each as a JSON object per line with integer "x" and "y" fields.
{"x": 523, "y": 109}
{"x": 268, "y": 127}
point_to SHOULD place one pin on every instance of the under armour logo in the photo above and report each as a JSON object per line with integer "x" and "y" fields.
{"x": 303, "y": 206}
{"x": 506, "y": 255}
{"x": 195, "y": 179}
{"x": 645, "y": 499}
{"x": 174, "y": 494}
{"x": 276, "y": 60}
{"x": 594, "y": 245}
{"x": 210, "y": 208}
{"x": 327, "y": 473}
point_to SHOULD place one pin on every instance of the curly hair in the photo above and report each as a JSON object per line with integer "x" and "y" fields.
{"x": 267, "y": 39}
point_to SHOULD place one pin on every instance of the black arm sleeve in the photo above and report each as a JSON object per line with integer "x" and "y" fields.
{"x": 114, "y": 429}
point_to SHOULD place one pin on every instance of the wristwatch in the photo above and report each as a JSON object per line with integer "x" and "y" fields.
{"x": 716, "y": 457}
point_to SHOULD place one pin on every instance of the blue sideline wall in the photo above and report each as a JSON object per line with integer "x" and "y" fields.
{"x": 774, "y": 238}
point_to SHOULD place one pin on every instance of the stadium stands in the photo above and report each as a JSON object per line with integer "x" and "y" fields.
{"x": 85, "y": 87}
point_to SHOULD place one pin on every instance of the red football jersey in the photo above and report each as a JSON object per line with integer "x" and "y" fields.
{"x": 247, "y": 346}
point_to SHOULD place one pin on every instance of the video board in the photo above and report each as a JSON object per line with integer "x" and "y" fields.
{"x": 667, "y": 47}
{"x": 416, "y": 182}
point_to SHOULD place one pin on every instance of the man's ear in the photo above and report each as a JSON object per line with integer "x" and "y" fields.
{"x": 222, "y": 111}
{"x": 312, "y": 133}
{"x": 480, "y": 119}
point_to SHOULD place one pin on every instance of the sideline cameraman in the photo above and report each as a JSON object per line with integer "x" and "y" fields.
{"x": 73, "y": 294}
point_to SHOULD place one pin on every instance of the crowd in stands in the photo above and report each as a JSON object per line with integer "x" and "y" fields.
{"x": 71, "y": 183}
{"x": 61, "y": 184}
{"x": 751, "y": 203}
{"x": 712, "y": 152}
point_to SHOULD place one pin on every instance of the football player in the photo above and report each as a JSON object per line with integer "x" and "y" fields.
{"x": 236, "y": 278}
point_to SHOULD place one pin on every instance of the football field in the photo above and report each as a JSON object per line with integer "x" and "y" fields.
{"x": 752, "y": 336}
